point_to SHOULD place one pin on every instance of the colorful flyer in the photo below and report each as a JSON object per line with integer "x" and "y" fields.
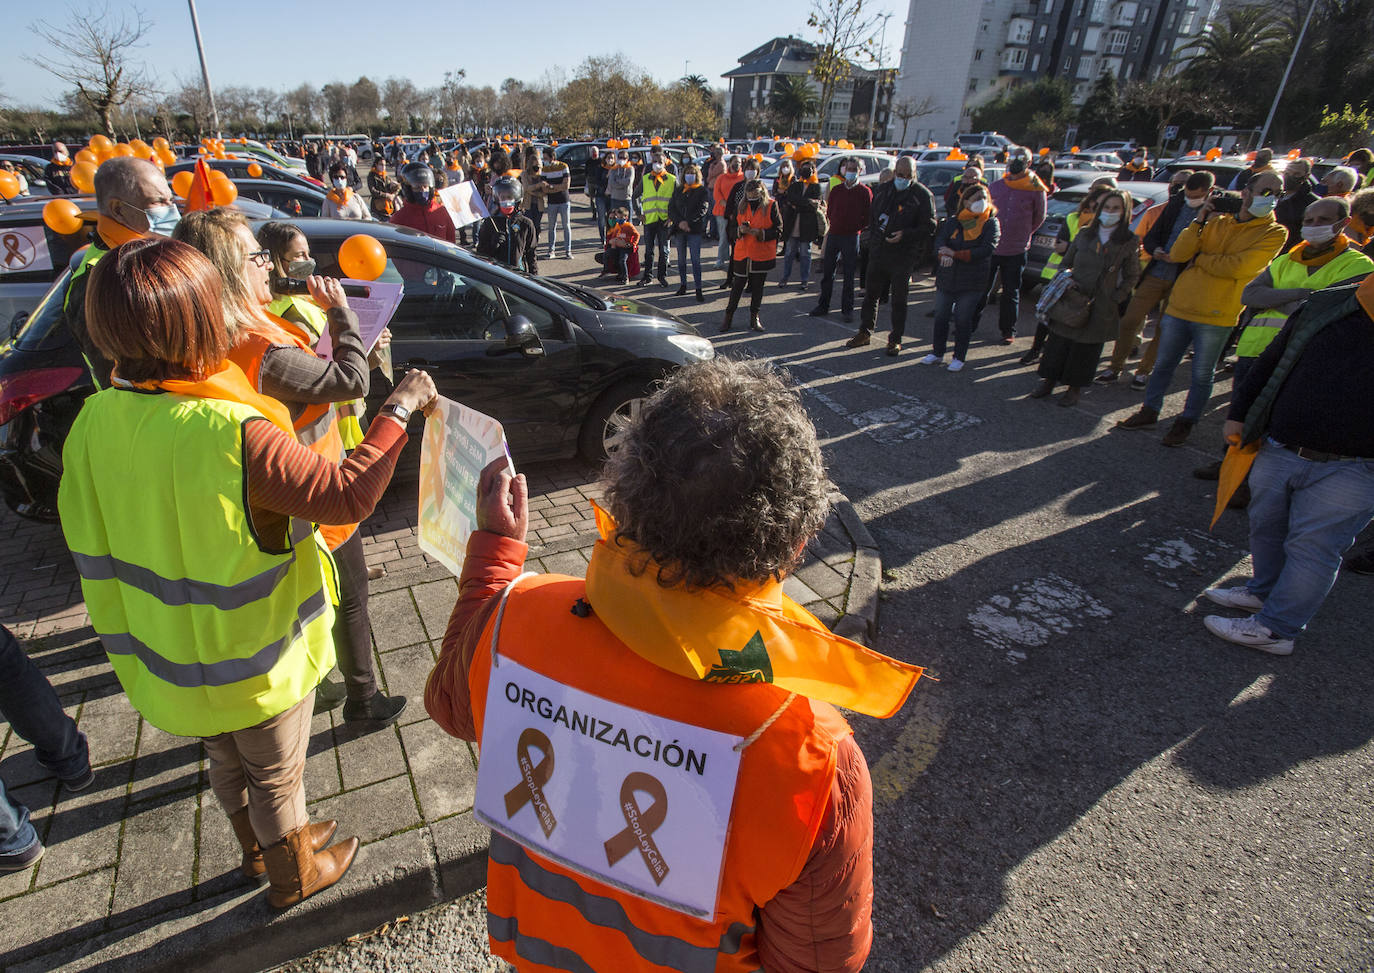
{"x": 374, "y": 313}
{"x": 463, "y": 203}
{"x": 458, "y": 444}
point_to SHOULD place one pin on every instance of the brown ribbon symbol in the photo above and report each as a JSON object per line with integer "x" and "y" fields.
{"x": 533, "y": 778}
{"x": 12, "y": 252}
{"x": 640, "y": 824}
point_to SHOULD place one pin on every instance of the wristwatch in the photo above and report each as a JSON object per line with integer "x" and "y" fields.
{"x": 399, "y": 411}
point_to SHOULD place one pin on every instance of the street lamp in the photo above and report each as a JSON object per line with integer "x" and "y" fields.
{"x": 204, "y": 69}
{"x": 1264, "y": 132}
{"x": 877, "y": 82}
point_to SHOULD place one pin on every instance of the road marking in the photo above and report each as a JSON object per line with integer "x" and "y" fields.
{"x": 1167, "y": 557}
{"x": 1035, "y": 611}
{"x": 912, "y": 752}
{"x": 901, "y": 418}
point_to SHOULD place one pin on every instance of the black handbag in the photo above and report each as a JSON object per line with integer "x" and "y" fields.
{"x": 1073, "y": 308}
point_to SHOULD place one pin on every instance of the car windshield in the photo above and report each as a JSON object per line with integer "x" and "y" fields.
{"x": 1059, "y": 206}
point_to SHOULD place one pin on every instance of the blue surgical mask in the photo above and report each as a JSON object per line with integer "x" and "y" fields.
{"x": 902, "y": 184}
{"x": 1108, "y": 219}
{"x": 162, "y": 220}
{"x": 851, "y": 176}
{"x": 1262, "y": 205}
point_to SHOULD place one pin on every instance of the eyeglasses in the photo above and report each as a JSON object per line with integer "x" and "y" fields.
{"x": 259, "y": 258}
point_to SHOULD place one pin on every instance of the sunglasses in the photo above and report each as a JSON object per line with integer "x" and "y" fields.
{"x": 260, "y": 258}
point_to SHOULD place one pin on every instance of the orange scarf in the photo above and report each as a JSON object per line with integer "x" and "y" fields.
{"x": 1026, "y": 182}
{"x": 970, "y": 233}
{"x": 1136, "y": 168}
{"x": 228, "y": 384}
{"x": 115, "y": 233}
{"x": 1299, "y": 253}
{"x": 341, "y": 200}
{"x": 754, "y": 633}
{"x": 1357, "y": 231}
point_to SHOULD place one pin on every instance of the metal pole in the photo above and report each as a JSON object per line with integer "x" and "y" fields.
{"x": 877, "y": 82}
{"x": 204, "y": 70}
{"x": 1264, "y": 132}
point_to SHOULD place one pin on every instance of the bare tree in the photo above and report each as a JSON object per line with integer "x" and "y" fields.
{"x": 847, "y": 31}
{"x": 191, "y": 100}
{"x": 93, "y": 50}
{"x": 908, "y": 110}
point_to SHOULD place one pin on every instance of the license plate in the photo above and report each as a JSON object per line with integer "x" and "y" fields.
{"x": 1044, "y": 241}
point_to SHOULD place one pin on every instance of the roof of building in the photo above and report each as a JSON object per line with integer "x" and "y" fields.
{"x": 785, "y": 55}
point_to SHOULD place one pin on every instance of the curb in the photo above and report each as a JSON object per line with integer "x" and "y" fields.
{"x": 860, "y": 620}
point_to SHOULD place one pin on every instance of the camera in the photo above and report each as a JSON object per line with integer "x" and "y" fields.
{"x": 1225, "y": 201}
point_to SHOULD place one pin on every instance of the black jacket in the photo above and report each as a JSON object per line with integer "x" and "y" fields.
{"x": 971, "y": 274}
{"x": 1290, "y": 211}
{"x": 596, "y": 177}
{"x": 509, "y": 240}
{"x": 692, "y": 206}
{"x": 802, "y": 202}
{"x": 910, "y": 211}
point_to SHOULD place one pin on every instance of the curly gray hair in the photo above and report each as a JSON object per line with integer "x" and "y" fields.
{"x": 721, "y": 478}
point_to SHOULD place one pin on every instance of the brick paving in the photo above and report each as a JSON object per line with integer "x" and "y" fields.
{"x": 141, "y": 869}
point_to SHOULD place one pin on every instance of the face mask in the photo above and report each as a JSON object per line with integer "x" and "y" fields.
{"x": 689, "y": 180}
{"x": 978, "y": 206}
{"x": 1138, "y": 161}
{"x": 425, "y": 195}
{"x": 786, "y": 170}
{"x": 901, "y": 184}
{"x": 1109, "y": 219}
{"x": 339, "y": 183}
{"x": 658, "y": 167}
{"x": 751, "y": 173}
{"x": 1175, "y": 190}
{"x": 1318, "y": 235}
{"x": 804, "y": 174}
{"x": 1262, "y": 205}
{"x": 507, "y": 206}
{"x": 754, "y": 199}
{"x": 300, "y": 268}
{"x": 162, "y": 220}
{"x": 1194, "y": 203}
{"x": 624, "y": 160}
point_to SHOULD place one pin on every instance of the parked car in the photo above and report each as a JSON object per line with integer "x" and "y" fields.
{"x": 289, "y": 198}
{"x": 1227, "y": 167}
{"x": 828, "y": 166}
{"x": 936, "y": 176}
{"x": 993, "y": 141}
{"x": 1061, "y": 204}
{"x": 562, "y": 366}
{"x": 31, "y": 167}
{"x": 237, "y": 169}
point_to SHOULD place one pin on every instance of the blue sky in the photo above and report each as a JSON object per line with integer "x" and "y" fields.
{"x": 251, "y": 42}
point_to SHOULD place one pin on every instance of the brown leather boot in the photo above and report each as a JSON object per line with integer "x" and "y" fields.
{"x": 320, "y": 832}
{"x": 296, "y": 871}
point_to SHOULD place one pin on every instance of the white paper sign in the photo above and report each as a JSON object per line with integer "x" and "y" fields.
{"x": 463, "y": 203}
{"x": 22, "y": 249}
{"x": 631, "y": 799}
{"x": 459, "y": 443}
{"x": 374, "y": 313}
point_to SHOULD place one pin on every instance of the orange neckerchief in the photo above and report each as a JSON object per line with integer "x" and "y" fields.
{"x": 1136, "y": 168}
{"x": 1298, "y": 253}
{"x": 754, "y": 633}
{"x": 1357, "y": 231}
{"x": 971, "y": 233}
{"x": 1365, "y": 294}
{"x": 339, "y": 200}
{"x": 115, "y": 233}
{"x": 228, "y": 384}
{"x": 1026, "y": 182}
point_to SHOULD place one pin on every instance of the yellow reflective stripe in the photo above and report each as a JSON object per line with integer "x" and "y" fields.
{"x": 196, "y": 675}
{"x": 600, "y": 910}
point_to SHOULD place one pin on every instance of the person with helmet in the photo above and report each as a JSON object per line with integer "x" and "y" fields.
{"x": 422, "y": 209}
{"x": 507, "y": 235}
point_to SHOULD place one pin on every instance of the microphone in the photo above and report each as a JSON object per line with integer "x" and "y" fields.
{"x": 294, "y": 286}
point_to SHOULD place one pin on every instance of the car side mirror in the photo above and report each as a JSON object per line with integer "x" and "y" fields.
{"x": 520, "y": 333}
{"x": 17, "y": 323}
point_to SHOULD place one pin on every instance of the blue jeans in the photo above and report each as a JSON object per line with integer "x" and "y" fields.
{"x": 689, "y": 243}
{"x": 1010, "y": 267}
{"x": 599, "y": 204}
{"x": 963, "y": 306}
{"x": 656, "y": 242}
{"x": 794, "y": 249}
{"x": 28, "y": 703}
{"x": 839, "y": 248}
{"x": 1175, "y": 337}
{"x": 723, "y": 246}
{"x": 562, "y": 213}
{"x": 1303, "y": 516}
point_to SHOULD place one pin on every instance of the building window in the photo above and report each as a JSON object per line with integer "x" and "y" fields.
{"x": 1092, "y": 38}
{"x": 1085, "y": 67}
{"x": 1135, "y": 44}
{"x": 985, "y": 26}
{"x": 1144, "y": 16}
{"x": 1116, "y": 42}
{"x": 978, "y": 54}
{"x": 973, "y": 84}
{"x": 1019, "y": 31}
{"x": 1173, "y": 19}
{"x": 1014, "y": 58}
{"x": 1035, "y": 63}
{"x": 1099, "y": 14}
{"x": 1186, "y": 25}
{"x": 1041, "y": 35}
{"x": 1073, "y": 38}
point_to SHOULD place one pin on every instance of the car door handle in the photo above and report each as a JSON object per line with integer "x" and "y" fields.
{"x": 415, "y": 363}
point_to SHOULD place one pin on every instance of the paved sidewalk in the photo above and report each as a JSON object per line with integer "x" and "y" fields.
{"x": 141, "y": 870}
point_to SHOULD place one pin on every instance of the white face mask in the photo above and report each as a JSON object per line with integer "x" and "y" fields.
{"x": 786, "y": 170}
{"x": 1109, "y": 219}
{"x": 338, "y": 183}
{"x": 1194, "y": 203}
{"x": 1263, "y": 205}
{"x": 658, "y": 167}
{"x": 1318, "y": 235}
{"x": 978, "y": 206}
{"x": 751, "y": 173}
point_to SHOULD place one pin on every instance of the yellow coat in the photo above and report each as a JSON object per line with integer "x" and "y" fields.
{"x": 1225, "y": 256}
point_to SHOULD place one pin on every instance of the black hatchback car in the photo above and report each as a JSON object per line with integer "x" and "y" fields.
{"x": 563, "y": 367}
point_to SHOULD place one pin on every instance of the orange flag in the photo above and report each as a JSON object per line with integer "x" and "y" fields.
{"x": 199, "y": 195}
{"x": 1234, "y": 469}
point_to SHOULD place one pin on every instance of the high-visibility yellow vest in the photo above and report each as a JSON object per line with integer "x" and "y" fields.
{"x": 310, "y": 317}
{"x": 1289, "y": 273}
{"x": 656, "y": 196}
{"x": 210, "y": 627}
{"x": 1052, "y": 264}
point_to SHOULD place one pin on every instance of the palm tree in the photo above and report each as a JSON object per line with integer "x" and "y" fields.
{"x": 794, "y": 99}
{"x": 1236, "y": 56}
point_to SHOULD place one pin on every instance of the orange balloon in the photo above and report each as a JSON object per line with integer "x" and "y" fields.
{"x": 123, "y": 149}
{"x": 140, "y": 148}
{"x": 222, "y": 189}
{"x": 219, "y": 154}
{"x": 62, "y": 216}
{"x": 161, "y": 143}
{"x": 9, "y": 184}
{"x": 83, "y": 177}
{"x": 102, "y": 154}
{"x": 85, "y": 155}
{"x": 1214, "y": 153}
{"x": 181, "y": 183}
{"x": 254, "y": 170}
{"x": 362, "y": 257}
{"x": 99, "y": 142}
{"x": 167, "y": 156}
{"x": 1074, "y": 149}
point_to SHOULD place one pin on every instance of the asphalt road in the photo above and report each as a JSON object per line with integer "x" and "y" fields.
{"x": 1094, "y": 783}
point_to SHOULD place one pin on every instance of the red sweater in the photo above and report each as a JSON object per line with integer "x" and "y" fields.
{"x": 432, "y": 219}
{"x": 848, "y": 208}
{"x": 823, "y": 921}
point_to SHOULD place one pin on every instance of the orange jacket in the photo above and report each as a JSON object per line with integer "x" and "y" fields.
{"x": 725, "y": 182}
{"x": 760, "y": 217}
{"x": 317, "y": 425}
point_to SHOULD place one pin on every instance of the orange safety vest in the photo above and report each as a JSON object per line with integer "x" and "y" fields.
{"x": 748, "y": 248}
{"x": 317, "y": 426}
{"x": 539, "y": 911}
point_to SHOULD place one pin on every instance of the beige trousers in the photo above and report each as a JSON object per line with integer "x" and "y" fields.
{"x": 263, "y": 768}
{"x": 1150, "y": 293}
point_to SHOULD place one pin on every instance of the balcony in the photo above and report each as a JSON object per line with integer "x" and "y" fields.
{"x": 1124, "y": 14}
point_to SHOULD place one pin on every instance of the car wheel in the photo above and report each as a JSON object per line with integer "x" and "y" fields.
{"x": 606, "y": 424}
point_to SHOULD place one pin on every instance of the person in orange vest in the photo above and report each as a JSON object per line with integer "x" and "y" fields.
{"x": 756, "y": 225}
{"x": 279, "y": 361}
{"x": 669, "y": 782}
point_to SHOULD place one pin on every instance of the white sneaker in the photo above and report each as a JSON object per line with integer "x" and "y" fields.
{"x": 931, "y": 360}
{"x": 955, "y": 364}
{"x": 1247, "y": 631}
{"x": 1237, "y": 597}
